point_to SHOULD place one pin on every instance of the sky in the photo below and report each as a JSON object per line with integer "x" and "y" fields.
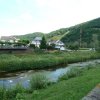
{"x": 27, "y": 16}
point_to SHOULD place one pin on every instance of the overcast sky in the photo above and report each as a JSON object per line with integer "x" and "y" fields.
{"x": 26, "y": 16}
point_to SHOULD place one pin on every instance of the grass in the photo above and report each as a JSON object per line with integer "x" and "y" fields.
{"x": 18, "y": 62}
{"x": 11, "y": 93}
{"x": 73, "y": 89}
{"x": 38, "y": 81}
{"x": 73, "y": 72}
{"x": 77, "y": 85}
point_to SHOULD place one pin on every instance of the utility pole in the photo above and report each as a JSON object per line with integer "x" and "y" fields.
{"x": 80, "y": 41}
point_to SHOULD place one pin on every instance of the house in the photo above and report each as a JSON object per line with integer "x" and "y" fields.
{"x": 8, "y": 41}
{"x": 37, "y": 41}
{"x": 11, "y": 39}
{"x": 58, "y": 44}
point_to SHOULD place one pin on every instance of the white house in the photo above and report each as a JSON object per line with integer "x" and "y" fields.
{"x": 58, "y": 44}
{"x": 37, "y": 41}
{"x": 9, "y": 39}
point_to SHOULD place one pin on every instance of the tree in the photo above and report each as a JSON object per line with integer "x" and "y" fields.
{"x": 1, "y": 43}
{"x": 74, "y": 46}
{"x": 43, "y": 44}
{"x": 51, "y": 47}
{"x": 95, "y": 41}
{"x": 23, "y": 42}
{"x": 32, "y": 46}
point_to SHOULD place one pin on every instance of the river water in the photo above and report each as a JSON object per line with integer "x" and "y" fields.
{"x": 11, "y": 79}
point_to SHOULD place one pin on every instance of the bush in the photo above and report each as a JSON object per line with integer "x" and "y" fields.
{"x": 98, "y": 49}
{"x": 38, "y": 81}
{"x": 73, "y": 72}
{"x": 1, "y": 93}
{"x": 11, "y": 93}
{"x": 35, "y": 94}
{"x": 32, "y": 46}
{"x": 20, "y": 96}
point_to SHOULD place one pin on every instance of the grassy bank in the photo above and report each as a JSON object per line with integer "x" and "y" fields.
{"x": 73, "y": 89}
{"x": 73, "y": 85}
{"x": 17, "y": 62}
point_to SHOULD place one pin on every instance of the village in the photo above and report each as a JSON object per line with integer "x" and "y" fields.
{"x": 11, "y": 42}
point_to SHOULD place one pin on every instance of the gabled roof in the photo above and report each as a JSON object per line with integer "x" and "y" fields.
{"x": 56, "y": 42}
{"x": 38, "y": 39}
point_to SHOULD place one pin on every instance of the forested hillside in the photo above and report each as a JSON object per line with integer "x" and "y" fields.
{"x": 30, "y": 36}
{"x": 84, "y": 31}
{"x": 72, "y": 34}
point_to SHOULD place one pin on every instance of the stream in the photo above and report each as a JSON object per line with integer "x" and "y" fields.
{"x": 8, "y": 80}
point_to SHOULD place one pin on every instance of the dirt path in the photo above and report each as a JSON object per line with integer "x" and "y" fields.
{"x": 94, "y": 94}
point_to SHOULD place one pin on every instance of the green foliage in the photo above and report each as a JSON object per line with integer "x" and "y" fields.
{"x": 42, "y": 59}
{"x": 73, "y": 72}
{"x": 74, "y": 47}
{"x": 51, "y": 47}
{"x": 10, "y": 93}
{"x": 38, "y": 82}
{"x": 56, "y": 35}
{"x": 1, "y": 93}
{"x": 71, "y": 34}
{"x": 73, "y": 89}
{"x": 35, "y": 94}
{"x": 23, "y": 42}
{"x": 20, "y": 96}
{"x": 32, "y": 46}
{"x": 88, "y": 29}
{"x": 43, "y": 44}
{"x": 30, "y": 36}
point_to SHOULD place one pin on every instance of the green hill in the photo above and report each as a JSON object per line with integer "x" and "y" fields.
{"x": 30, "y": 36}
{"x": 57, "y": 34}
{"x": 71, "y": 34}
{"x": 86, "y": 30}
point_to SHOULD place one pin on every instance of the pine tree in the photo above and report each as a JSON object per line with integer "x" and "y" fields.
{"x": 43, "y": 44}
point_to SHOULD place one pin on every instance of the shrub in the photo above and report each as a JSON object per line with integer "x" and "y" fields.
{"x": 73, "y": 72}
{"x": 20, "y": 96}
{"x": 35, "y": 94}
{"x": 11, "y": 93}
{"x": 1, "y": 93}
{"x": 38, "y": 81}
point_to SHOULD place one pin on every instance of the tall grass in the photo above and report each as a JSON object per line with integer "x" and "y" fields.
{"x": 73, "y": 89}
{"x": 10, "y": 93}
{"x": 38, "y": 81}
{"x": 73, "y": 72}
{"x": 17, "y": 62}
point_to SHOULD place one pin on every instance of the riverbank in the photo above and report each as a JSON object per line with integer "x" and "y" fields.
{"x": 79, "y": 82}
{"x": 73, "y": 89}
{"x": 19, "y": 62}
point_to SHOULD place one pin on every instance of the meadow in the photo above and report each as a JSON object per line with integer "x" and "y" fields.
{"x": 30, "y": 61}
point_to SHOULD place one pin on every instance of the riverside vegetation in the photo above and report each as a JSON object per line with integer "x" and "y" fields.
{"x": 73, "y": 85}
{"x": 76, "y": 80}
{"x": 72, "y": 88}
{"x": 30, "y": 61}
